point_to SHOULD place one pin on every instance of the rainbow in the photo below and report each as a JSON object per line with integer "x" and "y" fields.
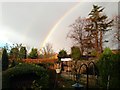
{"x": 58, "y": 23}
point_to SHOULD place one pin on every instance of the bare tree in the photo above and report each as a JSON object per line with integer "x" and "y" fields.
{"x": 117, "y": 25}
{"x": 47, "y": 51}
{"x": 78, "y": 33}
{"x": 117, "y": 32}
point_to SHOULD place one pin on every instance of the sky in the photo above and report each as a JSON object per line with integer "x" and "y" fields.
{"x": 36, "y": 23}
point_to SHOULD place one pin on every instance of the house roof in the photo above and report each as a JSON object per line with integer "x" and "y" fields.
{"x": 66, "y": 59}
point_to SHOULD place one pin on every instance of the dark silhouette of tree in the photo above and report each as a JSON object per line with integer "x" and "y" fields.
{"x": 5, "y": 61}
{"x": 62, "y": 54}
{"x": 14, "y": 53}
{"x": 98, "y": 26}
{"x": 17, "y": 52}
{"x": 33, "y": 54}
{"x": 23, "y": 53}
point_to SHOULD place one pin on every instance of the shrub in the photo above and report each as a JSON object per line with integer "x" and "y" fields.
{"x": 62, "y": 54}
{"x": 30, "y": 72}
{"x": 115, "y": 75}
{"x": 75, "y": 53}
{"x": 5, "y": 61}
{"x": 52, "y": 78}
{"x": 108, "y": 64}
{"x": 105, "y": 66}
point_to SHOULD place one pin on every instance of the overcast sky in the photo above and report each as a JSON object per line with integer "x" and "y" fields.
{"x": 36, "y": 23}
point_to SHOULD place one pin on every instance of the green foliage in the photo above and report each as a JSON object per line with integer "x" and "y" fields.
{"x": 107, "y": 51}
{"x": 23, "y": 52}
{"x": 115, "y": 75}
{"x": 14, "y": 53}
{"x": 5, "y": 61}
{"x": 26, "y": 69}
{"x": 46, "y": 65}
{"x": 105, "y": 66}
{"x": 97, "y": 16}
{"x": 98, "y": 26}
{"x": 52, "y": 78}
{"x": 36, "y": 86}
{"x": 33, "y": 54}
{"x": 62, "y": 54}
{"x": 17, "y": 52}
{"x": 41, "y": 56}
{"x": 108, "y": 64}
{"x": 75, "y": 53}
{"x": 13, "y": 63}
{"x": 94, "y": 53}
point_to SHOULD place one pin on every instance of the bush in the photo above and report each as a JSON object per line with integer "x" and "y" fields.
{"x": 46, "y": 65}
{"x": 108, "y": 64}
{"x": 75, "y": 53}
{"x": 115, "y": 75}
{"x": 29, "y": 73}
{"x": 52, "y": 78}
{"x": 5, "y": 61}
{"x": 105, "y": 66}
{"x": 62, "y": 54}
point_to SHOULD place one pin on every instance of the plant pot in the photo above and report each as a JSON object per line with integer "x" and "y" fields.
{"x": 58, "y": 70}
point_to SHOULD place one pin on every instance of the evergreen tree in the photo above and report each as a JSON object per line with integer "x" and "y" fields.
{"x": 98, "y": 26}
{"x": 75, "y": 53}
{"x": 62, "y": 54}
{"x": 5, "y": 61}
{"x": 33, "y": 54}
{"x": 23, "y": 53}
{"x": 18, "y": 52}
{"x": 14, "y": 53}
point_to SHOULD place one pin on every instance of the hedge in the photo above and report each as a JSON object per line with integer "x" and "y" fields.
{"x": 38, "y": 75}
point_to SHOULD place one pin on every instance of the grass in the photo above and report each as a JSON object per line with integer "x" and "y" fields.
{"x": 64, "y": 83}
